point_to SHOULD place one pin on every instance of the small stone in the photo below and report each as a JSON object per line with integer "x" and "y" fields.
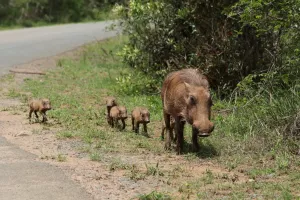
{"x": 271, "y": 175}
{"x": 22, "y": 134}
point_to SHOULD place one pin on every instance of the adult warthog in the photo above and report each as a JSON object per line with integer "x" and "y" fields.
{"x": 186, "y": 97}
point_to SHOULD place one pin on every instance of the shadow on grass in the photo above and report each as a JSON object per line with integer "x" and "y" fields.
{"x": 145, "y": 134}
{"x": 206, "y": 150}
{"x": 119, "y": 128}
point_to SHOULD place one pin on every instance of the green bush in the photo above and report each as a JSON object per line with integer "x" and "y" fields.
{"x": 135, "y": 84}
{"x": 227, "y": 40}
{"x": 27, "y": 12}
{"x": 266, "y": 120}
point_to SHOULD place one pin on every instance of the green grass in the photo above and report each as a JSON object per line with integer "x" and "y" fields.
{"x": 117, "y": 164}
{"x": 64, "y": 134}
{"x": 95, "y": 156}
{"x": 10, "y": 27}
{"x": 8, "y": 78}
{"x": 154, "y": 170}
{"x": 248, "y": 137}
{"x": 61, "y": 158}
{"x": 102, "y": 15}
{"x": 77, "y": 91}
{"x": 155, "y": 196}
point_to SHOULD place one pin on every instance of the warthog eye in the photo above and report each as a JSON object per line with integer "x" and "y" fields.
{"x": 193, "y": 100}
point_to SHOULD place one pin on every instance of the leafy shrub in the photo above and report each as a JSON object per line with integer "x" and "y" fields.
{"x": 135, "y": 84}
{"x": 26, "y": 12}
{"x": 266, "y": 120}
{"x": 227, "y": 40}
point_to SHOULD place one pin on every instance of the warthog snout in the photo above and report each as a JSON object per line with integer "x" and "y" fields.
{"x": 46, "y": 104}
{"x": 111, "y": 101}
{"x": 146, "y": 119}
{"x": 204, "y": 128}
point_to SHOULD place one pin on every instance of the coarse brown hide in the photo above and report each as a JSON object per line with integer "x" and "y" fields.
{"x": 172, "y": 126}
{"x": 110, "y": 102}
{"x": 186, "y": 97}
{"x": 140, "y": 115}
{"x": 41, "y": 106}
{"x": 118, "y": 113}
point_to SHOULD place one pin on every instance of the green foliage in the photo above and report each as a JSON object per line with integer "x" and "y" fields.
{"x": 29, "y": 12}
{"x": 79, "y": 106}
{"x": 286, "y": 195}
{"x": 155, "y": 196}
{"x": 64, "y": 134}
{"x": 277, "y": 23}
{"x": 136, "y": 174}
{"x": 118, "y": 164}
{"x": 61, "y": 158}
{"x": 134, "y": 84}
{"x": 251, "y": 126}
{"x": 227, "y": 40}
{"x": 256, "y": 173}
{"x": 266, "y": 120}
{"x": 208, "y": 178}
{"x": 95, "y": 156}
{"x": 153, "y": 170}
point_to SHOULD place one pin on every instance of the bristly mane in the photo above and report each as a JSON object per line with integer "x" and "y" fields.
{"x": 193, "y": 77}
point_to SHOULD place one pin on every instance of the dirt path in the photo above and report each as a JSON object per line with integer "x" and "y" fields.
{"x": 111, "y": 178}
{"x": 24, "y": 177}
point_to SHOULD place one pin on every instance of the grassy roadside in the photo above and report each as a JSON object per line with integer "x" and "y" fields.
{"x": 102, "y": 16}
{"x": 27, "y": 24}
{"x": 77, "y": 90}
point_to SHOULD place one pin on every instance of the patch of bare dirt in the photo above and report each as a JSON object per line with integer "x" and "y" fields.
{"x": 97, "y": 177}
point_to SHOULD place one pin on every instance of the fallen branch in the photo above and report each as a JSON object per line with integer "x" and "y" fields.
{"x": 26, "y": 72}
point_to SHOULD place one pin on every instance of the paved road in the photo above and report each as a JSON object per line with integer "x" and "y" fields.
{"x": 24, "y": 178}
{"x": 24, "y": 45}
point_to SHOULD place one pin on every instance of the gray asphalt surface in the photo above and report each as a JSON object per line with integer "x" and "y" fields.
{"x": 22, "y": 176}
{"x": 24, "y": 45}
